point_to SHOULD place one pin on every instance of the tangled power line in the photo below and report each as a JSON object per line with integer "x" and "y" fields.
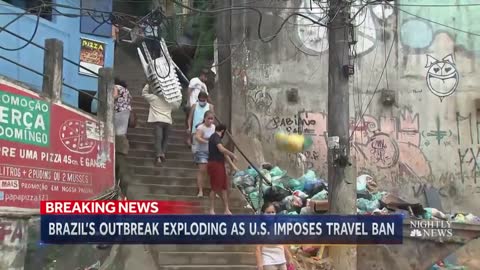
{"x": 157, "y": 17}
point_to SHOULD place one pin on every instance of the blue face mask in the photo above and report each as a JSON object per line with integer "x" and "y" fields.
{"x": 202, "y": 103}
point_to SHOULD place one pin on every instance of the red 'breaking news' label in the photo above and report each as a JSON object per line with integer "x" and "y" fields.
{"x": 116, "y": 207}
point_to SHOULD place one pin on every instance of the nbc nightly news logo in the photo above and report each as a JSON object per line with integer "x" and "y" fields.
{"x": 430, "y": 228}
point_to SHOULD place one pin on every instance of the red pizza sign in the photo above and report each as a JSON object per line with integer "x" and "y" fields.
{"x": 49, "y": 151}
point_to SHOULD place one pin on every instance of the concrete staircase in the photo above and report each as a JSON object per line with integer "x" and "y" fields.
{"x": 176, "y": 180}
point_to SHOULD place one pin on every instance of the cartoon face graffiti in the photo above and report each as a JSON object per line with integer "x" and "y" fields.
{"x": 442, "y": 76}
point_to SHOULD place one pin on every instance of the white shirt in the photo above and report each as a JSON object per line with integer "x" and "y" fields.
{"x": 273, "y": 255}
{"x": 160, "y": 110}
{"x": 197, "y": 86}
{"x": 207, "y": 132}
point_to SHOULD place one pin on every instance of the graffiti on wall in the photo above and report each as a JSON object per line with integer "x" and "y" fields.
{"x": 385, "y": 143}
{"x": 314, "y": 38}
{"x": 438, "y": 135}
{"x": 419, "y": 26}
{"x": 292, "y": 124}
{"x": 13, "y": 236}
{"x": 259, "y": 100}
{"x": 468, "y": 139}
{"x": 442, "y": 76}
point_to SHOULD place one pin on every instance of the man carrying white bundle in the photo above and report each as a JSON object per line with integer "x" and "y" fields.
{"x": 160, "y": 115}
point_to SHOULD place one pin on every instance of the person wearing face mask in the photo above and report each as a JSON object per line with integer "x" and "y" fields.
{"x": 217, "y": 154}
{"x": 197, "y": 113}
{"x": 272, "y": 257}
{"x": 196, "y": 86}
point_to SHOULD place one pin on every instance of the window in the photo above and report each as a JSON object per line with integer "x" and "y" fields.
{"x": 33, "y": 7}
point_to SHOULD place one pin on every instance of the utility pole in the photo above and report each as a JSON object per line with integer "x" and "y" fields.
{"x": 341, "y": 181}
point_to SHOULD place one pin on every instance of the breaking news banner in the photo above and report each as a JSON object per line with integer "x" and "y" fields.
{"x": 153, "y": 222}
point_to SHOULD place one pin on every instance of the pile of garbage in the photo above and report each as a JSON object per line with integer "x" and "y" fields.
{"x": 446, "y": 266}
{"x": 291, "y": 195}
{"x": 295, "y": 196}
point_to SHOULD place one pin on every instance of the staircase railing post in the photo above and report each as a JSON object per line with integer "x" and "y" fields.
{"x": 53, "y": 69}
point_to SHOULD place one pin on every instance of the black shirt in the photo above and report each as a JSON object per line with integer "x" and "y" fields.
{"x": 213, "y": 153}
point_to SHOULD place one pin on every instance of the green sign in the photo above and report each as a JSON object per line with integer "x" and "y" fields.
{"x": 24, "y": 119}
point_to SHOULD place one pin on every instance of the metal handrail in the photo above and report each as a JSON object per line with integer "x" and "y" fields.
{"x": 239, "y": 150}
{"x": 250, "y": 163}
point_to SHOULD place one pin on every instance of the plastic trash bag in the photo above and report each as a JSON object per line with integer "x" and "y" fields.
{"x": 366, "y": 205}
{"x": 240, "y": 173}
{"x": 362, "y": 182}
{"x": 249, "y": 190}
{"x": 244, "y": 181}
{"x": 307, "y": 210}
{"x": 254, "y": 199}
{"x": 252, "y": 172}
{"x": 320, "y": 196}
{"x": 275, "y": 194}
{"x": 291, "y": 202}
{"x": 309, "y": 175}
{"x": 295, "y": 184}
{"x": 447, "y": 266}
{"x": 472, "y": 219}
{"x": 277, "y": 172}
{"x": 459, "y": 218}
{"x": 300, "y": 194}
{"x": 313, "y": 186}
{"x": 378, "y": 195}
{"x": 278, "y": 183}
{"x": 265, "y": 188}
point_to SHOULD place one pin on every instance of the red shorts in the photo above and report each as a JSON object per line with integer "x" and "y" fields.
{"x": 218, "y": 175}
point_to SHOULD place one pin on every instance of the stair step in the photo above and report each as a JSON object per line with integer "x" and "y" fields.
{"x": 174, "y": 190}
{"x": 177, "y": 181}
{"x": 139, "y": 161}
{"x": 137, "y": 153}
{"x": 142, "y": 115}
{"x": 200, "y": 258}
{"x": 164, "y": 171}
{"x": 234, "y": 203}
{"x": 149, "y": 126}
{"x": 144, "y": 130}
{"x": 174, "y": 147}
{"x": 149, "y": 137}
{"x": 141, "y": 103}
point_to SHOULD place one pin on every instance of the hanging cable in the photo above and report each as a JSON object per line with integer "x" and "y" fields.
{"x": 28, "y": 41}
{"x": 375, "y": 91}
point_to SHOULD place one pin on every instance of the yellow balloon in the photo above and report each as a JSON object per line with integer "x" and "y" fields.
{"x": 295, "y": 143}
{"x": 281, "y": 140}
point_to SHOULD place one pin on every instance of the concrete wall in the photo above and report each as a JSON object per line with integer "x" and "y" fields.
{"x": 64, "y": 28}
{"x": 430, "y": 136}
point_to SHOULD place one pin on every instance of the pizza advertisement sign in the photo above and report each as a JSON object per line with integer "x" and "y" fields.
{"x": 92, "y": 56}
{"x": 49, "y": 151}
